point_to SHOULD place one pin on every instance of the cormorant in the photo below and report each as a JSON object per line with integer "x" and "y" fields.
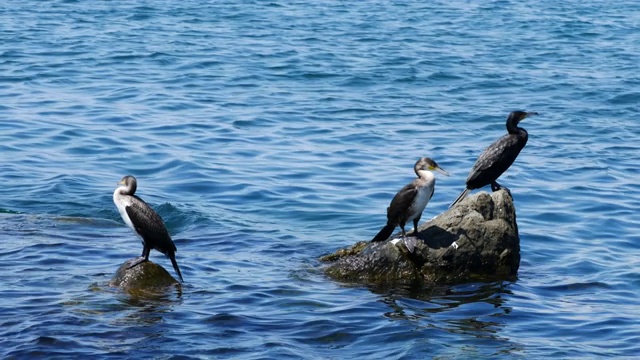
{"x": 410, "y": 201}
{"x": 497, "y": 158}
{"x": 145, "y": 222}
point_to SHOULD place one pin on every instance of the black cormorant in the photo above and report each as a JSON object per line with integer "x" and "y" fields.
{"x": 145, "y": 222}
{"x": 497, "y": 158}
{"x": 410, "y": 201}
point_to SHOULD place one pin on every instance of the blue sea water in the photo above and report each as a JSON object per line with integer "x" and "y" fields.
{"x": 267, "y": 134}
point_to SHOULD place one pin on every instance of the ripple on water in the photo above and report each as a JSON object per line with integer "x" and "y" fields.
{"x": 268, "y": 134}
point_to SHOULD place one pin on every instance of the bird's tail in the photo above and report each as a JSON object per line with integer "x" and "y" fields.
{"x": 172, "y": 257}
{"x": 384, "y": 233}
{"x": 460, "y": 197}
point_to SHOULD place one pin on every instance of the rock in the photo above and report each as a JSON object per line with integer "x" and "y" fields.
{"x": 475, "y": 240}
{"x": 146, "y": 277}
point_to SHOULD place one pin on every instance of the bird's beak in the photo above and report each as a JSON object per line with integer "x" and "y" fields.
{"x": 530, "y": 113}
{"x": 441, "y": 171}
{"x": 121, "y": 182}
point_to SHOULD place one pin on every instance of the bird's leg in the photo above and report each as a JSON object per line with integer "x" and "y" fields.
{"x": 145, "y": 252}
{"x": 495, "y": 187}
{"x": 144, "y": 257}
{"x": 415, "y": 228}
{"x": 404, "y": 234}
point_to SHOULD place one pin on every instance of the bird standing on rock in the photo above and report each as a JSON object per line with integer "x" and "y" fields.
{"x": 408, "y": 204}
{"x": 497, "y": 158}
{"x": 145, "y": 222}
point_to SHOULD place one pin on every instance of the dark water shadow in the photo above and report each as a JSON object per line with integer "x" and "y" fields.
{"x": 127, "y": 307}
{"x": 477, "y": 310}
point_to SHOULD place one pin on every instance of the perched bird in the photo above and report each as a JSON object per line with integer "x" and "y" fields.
{"x": 497, "y": 158}
{"x": 410, "y": 201}
{"x": 145, "y": 222}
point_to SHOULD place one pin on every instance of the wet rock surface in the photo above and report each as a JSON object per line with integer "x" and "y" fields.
{"x": 144, "y": 277}
{"x": 476, "y": 240}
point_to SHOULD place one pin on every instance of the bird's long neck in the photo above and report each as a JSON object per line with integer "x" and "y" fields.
{"x": 513, "y": 128}
{"x": 425, "y": 175}
{"x": 122, "y": 190}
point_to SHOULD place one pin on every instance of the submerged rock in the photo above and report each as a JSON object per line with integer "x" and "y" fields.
{"x": 475, "y": 240}
{"x": 144, "y": 277}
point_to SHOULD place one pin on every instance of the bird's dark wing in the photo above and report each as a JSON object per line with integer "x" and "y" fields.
{"x": 495, "y": 160}
{"x": 150, "y": 226}
{"x": 399, "y": 209}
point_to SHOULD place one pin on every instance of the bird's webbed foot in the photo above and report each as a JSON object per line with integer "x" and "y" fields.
{"x": 137, "y": 262}
{"x": 410, "y": 242}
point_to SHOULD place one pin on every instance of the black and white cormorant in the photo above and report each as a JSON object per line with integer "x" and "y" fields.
{"x": 145, "y": 222}
{"x": 410, "y": 201}
{"x": 497, "y": 158}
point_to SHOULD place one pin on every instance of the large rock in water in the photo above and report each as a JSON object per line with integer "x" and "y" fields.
{"x": 146, "y": 277}
{"x": 475, "y": 240}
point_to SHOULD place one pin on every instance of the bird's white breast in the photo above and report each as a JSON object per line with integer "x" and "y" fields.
{"x": 122, "y": 201}
{"x": 420, "y": 202}
{"x": 425, "y": 191}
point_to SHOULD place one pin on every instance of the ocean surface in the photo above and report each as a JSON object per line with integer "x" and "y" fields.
{"x": 269, "y": 133}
